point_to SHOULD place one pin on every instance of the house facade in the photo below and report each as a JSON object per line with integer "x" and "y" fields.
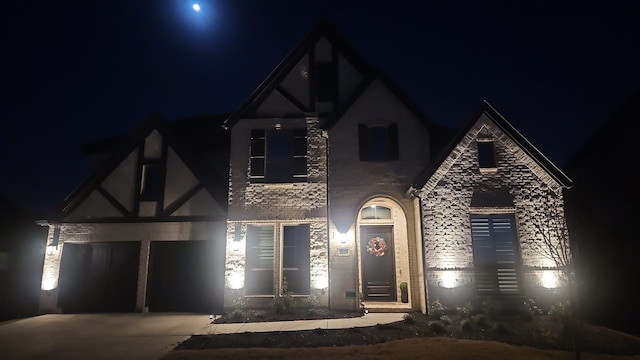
{"x": 338, "y": 191}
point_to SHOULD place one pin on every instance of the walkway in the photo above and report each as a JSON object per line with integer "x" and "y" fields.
{"x": 370, "y": 319}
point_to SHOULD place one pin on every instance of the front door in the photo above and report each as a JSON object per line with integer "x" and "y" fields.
{"x": 378, "y": 263}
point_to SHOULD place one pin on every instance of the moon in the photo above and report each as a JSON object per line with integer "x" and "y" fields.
{"x": 196, "y": 7}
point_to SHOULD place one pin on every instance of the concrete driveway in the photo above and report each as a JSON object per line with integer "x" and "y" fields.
{"x": 97, "y": 336}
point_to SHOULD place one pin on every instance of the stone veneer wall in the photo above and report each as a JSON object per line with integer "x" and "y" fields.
{"x": 277, "y": 205}
{"x": 446, "y": 207}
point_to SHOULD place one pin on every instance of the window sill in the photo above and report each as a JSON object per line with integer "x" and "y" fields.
{"x": 488, "y": 170}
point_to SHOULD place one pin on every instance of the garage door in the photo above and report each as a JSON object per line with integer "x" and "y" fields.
{"x": 185, "y": 276}
{"x": 99, "y": 277}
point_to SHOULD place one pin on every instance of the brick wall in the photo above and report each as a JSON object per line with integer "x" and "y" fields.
{"x": 276, "y": 205}
{"x": 446, "y": 207}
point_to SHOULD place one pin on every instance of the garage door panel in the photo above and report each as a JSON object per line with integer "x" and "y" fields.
{"x": 99, "y": 277}
{"x": 185, "y": 276}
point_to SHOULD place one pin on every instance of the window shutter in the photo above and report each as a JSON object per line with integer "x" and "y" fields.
{"x": 495, "y": 253}
{"x": 393, "y": 148}
{"x": 363, "y": 138}
{"x": 257, "y": 165}
{"x": 259, "y": 260}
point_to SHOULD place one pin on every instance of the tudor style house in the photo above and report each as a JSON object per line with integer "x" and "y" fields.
{"x": 339, "y": 189}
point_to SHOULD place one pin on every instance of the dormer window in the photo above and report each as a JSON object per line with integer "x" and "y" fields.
{"x": 486, "y": 155}
{"x": 278, "y": 156}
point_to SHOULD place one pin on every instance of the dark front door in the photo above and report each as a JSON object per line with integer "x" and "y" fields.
{"x": 99, "y": 277}
{"x": 378, "y": 265}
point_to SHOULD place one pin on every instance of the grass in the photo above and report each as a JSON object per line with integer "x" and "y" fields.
{"x": 435, "y": 348}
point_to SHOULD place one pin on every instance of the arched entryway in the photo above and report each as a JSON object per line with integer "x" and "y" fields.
{"x": 383, "y": 252}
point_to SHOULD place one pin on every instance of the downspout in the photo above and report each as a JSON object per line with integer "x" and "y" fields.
{"x": 325, "y": 135}
{"x": 417, "y": 210}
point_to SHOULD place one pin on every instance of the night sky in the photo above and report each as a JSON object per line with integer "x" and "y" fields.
{"x": 74, "y": 72}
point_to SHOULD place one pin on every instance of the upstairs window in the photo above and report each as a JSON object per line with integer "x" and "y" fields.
{"x": 486, "y": 155}
{"x": 152, "y": 181}
{"x": 495, "y": 254}
{"x": 326, "y": 81}
{"x": 278, "y": 156}
{"x": 378, "y": 142}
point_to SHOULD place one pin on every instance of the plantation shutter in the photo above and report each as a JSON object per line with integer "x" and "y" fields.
{"x": 295, "y": 259}
{"x": 259, "y": 266}
{"x": 495, "y": 253}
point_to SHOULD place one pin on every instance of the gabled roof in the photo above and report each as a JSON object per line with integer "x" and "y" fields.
{"x": 323, "y": 29}
{"x": 198, "y": 130}
{"x": 126, "y": 145}
{"x": 510, "y": 131}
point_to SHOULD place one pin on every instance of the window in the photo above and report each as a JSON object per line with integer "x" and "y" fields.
{"x": 278, "y": 156}
{"x": 295, "y": 259}
{"x": 378, "y": 142}
{"x": 152, "y": 181}
{"x": 495, "y": 254}
{"x": 326, "y": 81}
{"x": 259, "y": 265}
{"x": 375, "y": 212}
{"x": 486, "y": 155}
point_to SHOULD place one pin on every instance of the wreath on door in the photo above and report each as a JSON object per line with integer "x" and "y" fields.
{"x": 376, "y": 246}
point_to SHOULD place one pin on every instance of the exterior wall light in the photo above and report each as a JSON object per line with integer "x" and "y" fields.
{"x": 341, "y": 237}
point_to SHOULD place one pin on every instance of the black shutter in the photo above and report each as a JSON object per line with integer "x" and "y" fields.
{"x": 392, "y": 141}
{"x": 363, "y": 137}
{"x": 257, "y": 165}
{"x": 299, "y": 155}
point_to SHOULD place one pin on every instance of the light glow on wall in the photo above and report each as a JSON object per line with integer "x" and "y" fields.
{"x": 49, "y": 282}
{"x": 320, "y": 281}
{"x": 448, "y": 279}
{"x": 549, "y": 279}
{"x": 51, "y": 272}
{"x": 235, "y": 281}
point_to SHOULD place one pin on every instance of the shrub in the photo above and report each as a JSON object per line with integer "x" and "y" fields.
{"x": 445, "y": 320}
{"x": 283, "y": 302}
{"x": 531, "y": 309}
{"x": 560, "y": 311}
{"x": 481, "y": 320}
{"x": 437, "y": 327}
{"x": 465, "y": 311}
{"x": 437, "y": 309}
{"x": 404, "y": 286}
{"x": 236, "y": 315}
{"x": 491, "y": 307}
{"x": 467, "y": 325}
{"x": 312, "y": 301}
{"x": 408, "y": 319}
{"x": 500, "y": 328}
{"x": 239, "y": 303}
